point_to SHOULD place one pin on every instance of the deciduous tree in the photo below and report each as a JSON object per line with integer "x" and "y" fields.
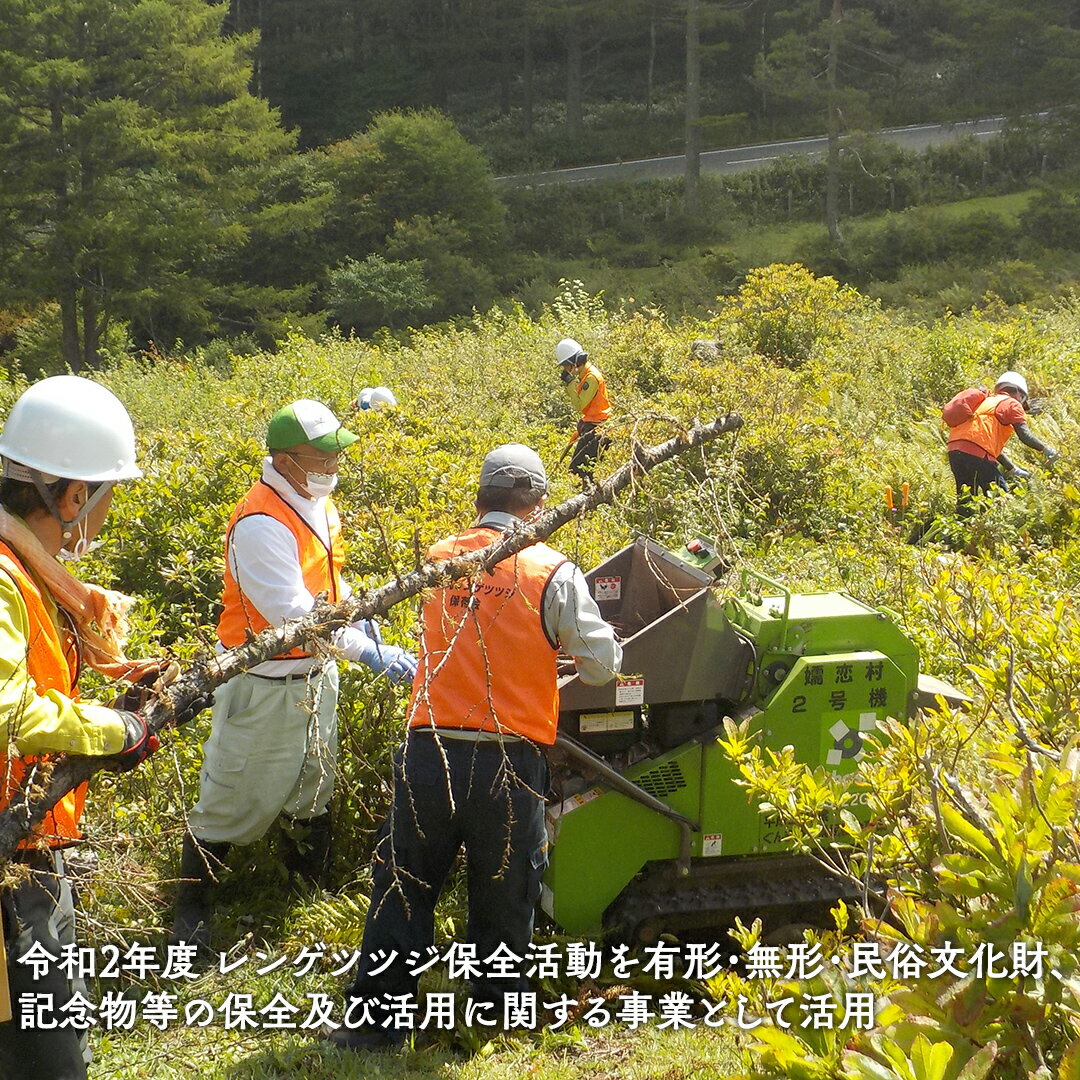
{"x": 412, "y": 189}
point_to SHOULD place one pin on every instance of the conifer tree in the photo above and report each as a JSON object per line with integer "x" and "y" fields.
{"x": 128, "y": 139}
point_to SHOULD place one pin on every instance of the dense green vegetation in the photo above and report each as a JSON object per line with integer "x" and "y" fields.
{"x": 840, "y": 398}
{"x": 178, "y": 172}
{"x": 934, "y": 232}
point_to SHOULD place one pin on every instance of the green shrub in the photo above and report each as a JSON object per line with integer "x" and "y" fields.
{"x": 1053, "y": 219}
{"x": 783, "y": 312}
{"x": 36, "y": 349}
{"x": 377, "y": 292}
{"x": 839, "y": 398}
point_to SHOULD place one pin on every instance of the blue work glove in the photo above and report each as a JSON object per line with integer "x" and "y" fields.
{"x": 396, "y": 664}
{"x": 1051, "y": 456}
{"x": 369, "y": 628}
{"x": 1020, "y": 474}
{"x": 389, "y": 660}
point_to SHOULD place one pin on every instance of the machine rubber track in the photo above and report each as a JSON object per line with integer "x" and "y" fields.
{"x": 783, "y": 891}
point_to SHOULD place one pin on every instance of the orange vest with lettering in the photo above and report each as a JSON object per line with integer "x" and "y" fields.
{"x": 599, "y": 409}
{"x": 52, "y": 663}
{"x": 983, "y": 428}
{"x": 486, "y": 662}
{"x": 321, "y": 567}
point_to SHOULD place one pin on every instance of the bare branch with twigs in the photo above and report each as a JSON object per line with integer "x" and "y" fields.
{"x": 45, "y": 785}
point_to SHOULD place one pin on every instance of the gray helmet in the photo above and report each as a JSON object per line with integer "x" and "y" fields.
{"x": 514, "y": 465}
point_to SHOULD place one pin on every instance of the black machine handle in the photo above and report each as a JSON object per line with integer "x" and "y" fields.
{"x": 617, "y": 782}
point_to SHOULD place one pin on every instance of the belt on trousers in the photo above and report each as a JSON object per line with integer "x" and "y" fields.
{"x": 40, "y": 855}
{"x": 471, "y": 735}
{"x": 305, "y": 675}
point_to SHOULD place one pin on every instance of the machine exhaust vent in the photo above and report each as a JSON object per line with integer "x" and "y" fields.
{"x": 663, "y": 780}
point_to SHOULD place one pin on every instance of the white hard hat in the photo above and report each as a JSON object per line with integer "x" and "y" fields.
{"x": 69, "y": 427}
{"x": 376, "y": 397}
{"x": 569, "y": 351}
{"x": 1013, "y": 379}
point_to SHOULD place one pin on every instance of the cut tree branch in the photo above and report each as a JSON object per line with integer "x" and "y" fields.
{"x": 48, "y": 782}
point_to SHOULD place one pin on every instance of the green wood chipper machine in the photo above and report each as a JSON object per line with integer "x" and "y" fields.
{"x": 648, "y": 830}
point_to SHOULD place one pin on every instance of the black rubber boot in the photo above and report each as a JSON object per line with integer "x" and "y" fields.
{"x": 306, "y": 850}
{"x": 201, "y": 864}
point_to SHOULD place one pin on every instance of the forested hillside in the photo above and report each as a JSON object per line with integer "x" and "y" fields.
{"x": 178, "y": 173}
{"x": 542, "y": 82}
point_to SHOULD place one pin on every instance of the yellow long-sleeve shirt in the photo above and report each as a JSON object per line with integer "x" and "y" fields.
{"x": 587, "y": 392}
{"x": 582, "y": 390}
{"x": 50, "y": 722}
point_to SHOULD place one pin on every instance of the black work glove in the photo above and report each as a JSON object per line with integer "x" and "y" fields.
{"x": 193, "y": 708}
{"x": 139, "y": 742}
{"x": 136, "y": 697}
{"x": 138, "y": 693}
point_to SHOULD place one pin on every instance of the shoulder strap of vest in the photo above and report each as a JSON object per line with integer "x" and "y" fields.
{"x": 8, "y": 553}
{"x": 553, "y": 642}
{"x": 292, "y": 511}
{"x": 990, "y": 403}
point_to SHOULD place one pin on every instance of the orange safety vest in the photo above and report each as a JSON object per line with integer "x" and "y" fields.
{"x": 321, "y": 567}
{"x": 599, "y": 409}
{"x": 52, "y": 663}
{"x": 486, "y": 662}
{"x": 983, "y": 428}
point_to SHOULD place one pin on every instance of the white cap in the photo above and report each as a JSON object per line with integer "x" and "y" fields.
{"x": 513, "y": 465}
{"x": 1013, "y": 379}
{"x": 376, "y": 397}
{"x": 70, "y": 427}
{"x": 568, "y": 351}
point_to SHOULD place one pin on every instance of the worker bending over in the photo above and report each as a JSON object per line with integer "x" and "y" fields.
{"x": 980, "y": 426}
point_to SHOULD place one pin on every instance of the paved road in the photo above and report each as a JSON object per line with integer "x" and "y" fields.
{"x": 743, "y": 158}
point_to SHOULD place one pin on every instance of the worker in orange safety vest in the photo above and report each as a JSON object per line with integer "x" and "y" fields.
{"x": 272, "y": 751}
{"x": 65, "y": 444}
{"x": 980, "y": 425}
{"x": 473, "y": 770}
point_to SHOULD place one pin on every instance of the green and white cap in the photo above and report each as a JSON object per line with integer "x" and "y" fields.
{"x": 310, "y": 422}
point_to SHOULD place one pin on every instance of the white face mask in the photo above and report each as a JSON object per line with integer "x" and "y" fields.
{"x": 320, "y": 484}
{"x": 82, "y": 546}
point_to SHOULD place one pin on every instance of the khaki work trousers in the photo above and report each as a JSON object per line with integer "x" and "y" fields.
{"x": 272, "y": 750}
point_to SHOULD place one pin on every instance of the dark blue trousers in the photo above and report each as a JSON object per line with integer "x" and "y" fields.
{"x": 449, "y": 793}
